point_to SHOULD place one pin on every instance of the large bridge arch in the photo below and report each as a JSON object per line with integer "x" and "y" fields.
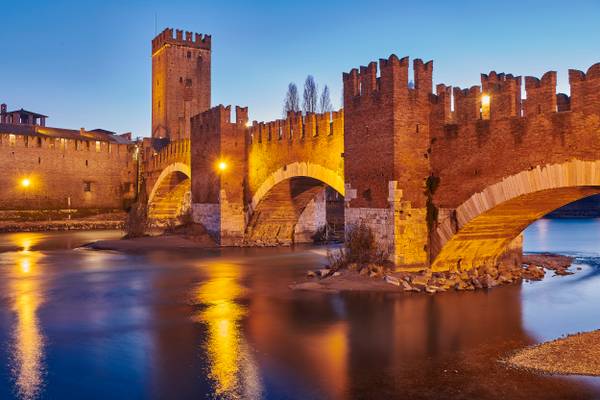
{"x": 170, "y": 195}
{"x": 292, "y": 204}
{"x": 480, "y": 230}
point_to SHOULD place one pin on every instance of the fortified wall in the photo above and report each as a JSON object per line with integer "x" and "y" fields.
{"x": 42, "y": 172}
{"x": 415, "y": 160}
{"x": 484, "y": 143}
{"x": 257, "y": 158}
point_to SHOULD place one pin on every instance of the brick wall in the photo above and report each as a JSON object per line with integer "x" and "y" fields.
{"x": 60, "y": 168}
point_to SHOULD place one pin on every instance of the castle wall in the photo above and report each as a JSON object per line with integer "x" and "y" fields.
{"x": 59, "y": 169}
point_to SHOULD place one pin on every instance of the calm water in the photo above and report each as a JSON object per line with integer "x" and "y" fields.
{"x": 103, "y": 325}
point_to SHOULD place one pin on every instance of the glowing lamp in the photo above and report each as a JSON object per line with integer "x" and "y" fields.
{"x": 222, "y": 166}
{"x": 485, "y": 100}
{"x": 25, "y": 182}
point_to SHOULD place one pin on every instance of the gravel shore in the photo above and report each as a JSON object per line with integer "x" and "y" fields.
{"x": 577, "y": 354}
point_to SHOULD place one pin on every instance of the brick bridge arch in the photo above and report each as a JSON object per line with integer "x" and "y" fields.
{"x": 480, "y": 231}
{"x": 291, "y": 205}
{"x": 275, "y": 179}
{"x": 167, "y": 176}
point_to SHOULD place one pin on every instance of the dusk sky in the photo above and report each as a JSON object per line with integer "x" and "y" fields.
{"x": 87, "y": 63}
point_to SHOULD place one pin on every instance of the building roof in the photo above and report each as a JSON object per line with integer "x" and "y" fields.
{"x": 22, "y": 111}
{"x": 47, "y": 132}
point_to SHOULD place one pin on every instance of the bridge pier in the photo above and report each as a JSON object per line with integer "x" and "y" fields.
{"x": 219, "y": 165}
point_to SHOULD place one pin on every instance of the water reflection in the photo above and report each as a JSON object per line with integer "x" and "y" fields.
{"x": 232, "y": 367}
{"x": 27, "y": 339}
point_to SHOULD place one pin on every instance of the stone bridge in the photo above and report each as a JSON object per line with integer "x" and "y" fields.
{"x": 453, "y": 187}
{"x": 266, "y": 183}
{"x": 445, "y": 180}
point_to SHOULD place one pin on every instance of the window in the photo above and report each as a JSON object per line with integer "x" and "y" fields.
{"x": 12, "y": 140}
{"x": 188, "y": 82}
{"x": 87, "y": 187}
{"x": 97, "y": 146}
{"x": 39, "y": 142}
{"x": 189, "y": 54}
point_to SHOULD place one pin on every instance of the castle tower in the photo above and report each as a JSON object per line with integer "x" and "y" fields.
{"x": 180, "y": 81}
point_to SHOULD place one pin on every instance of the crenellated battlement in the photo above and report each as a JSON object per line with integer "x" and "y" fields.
{"x": 218, "y": 117}
{"x": 43, "y": 143}
{"x": 297, "y": 127}
{"x": 393, "y": 78}
{"x": 505, "y": 89}
{"x": 585, "y": 89}
{"x": 181, "y": 38}
{"x": 541, "y": 94}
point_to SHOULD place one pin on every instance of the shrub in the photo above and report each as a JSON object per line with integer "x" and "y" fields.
{"x": 360, "y": 249}
{"x": 136, "y": 222}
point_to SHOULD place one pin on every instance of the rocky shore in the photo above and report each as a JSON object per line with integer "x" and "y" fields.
{"x": 375, "y": 278}
{"x": 577, "y": 354}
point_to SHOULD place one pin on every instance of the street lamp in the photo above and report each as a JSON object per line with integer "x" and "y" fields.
{"x": 222, "y": 165}
{"x": 25, "y": 182}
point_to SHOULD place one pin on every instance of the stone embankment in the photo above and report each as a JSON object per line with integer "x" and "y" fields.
{"x": 100, "y": 221}
{"x": 375, "y": 277}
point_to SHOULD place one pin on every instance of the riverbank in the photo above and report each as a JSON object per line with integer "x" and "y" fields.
{"x": 148, "y": 243}
{"x": 577, "y": 354}
{"x": 374, "y": 278}
{"x": 93, "y": 222}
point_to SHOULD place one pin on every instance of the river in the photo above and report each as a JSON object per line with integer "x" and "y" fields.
{"x": 222, "y": 324}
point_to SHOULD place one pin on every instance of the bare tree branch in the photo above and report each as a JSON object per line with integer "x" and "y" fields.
{"x": 292, "y": 100}
{"x": 310, "y": 95}
{"x": 325, "y": 101}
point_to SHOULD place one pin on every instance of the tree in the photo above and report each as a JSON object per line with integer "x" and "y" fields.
{"x": 310, "y": 95}
{"x": 325, "y": 101}
{"x": 292, "y": 99}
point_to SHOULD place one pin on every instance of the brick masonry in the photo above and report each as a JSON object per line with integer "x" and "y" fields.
{"x": 64, "y": 173}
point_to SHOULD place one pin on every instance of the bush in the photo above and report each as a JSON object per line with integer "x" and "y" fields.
{"x": 360, "y": 249}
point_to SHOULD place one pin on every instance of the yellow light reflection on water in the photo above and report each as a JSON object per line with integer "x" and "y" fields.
{"x": 27, "y": 339}
{"x": 232, "y": 367}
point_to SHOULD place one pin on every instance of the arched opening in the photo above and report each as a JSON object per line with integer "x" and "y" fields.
{"x": 296, "y": 210}
{"x": 170, "y": 198}
{"x": 480, "y": 231}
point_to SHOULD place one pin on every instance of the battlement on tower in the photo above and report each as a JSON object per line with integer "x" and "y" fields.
{"x": 541, "y": 94}
{"x": 298, "y": 127}
{"x": 394, "y": 79}
{"x": 506, "y": 92}
{"x": 585, "y": 89}
{"x": 214, "y": 119}
{"x": 181, "y": 38}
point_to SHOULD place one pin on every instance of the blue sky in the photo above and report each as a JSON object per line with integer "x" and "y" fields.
{"x": 87, "y": 63}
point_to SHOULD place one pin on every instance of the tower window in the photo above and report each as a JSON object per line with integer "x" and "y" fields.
{"x": 188, "y": 82}
{"x": 189, "y": 54}
{"x": 87, "y": 186}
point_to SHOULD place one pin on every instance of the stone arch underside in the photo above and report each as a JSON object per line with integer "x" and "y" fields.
{"x": 171, "y": 194}
{"x": 293, "y": 203}
{"x": 293, "y": 211}
{"x": 482, "y": 229}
